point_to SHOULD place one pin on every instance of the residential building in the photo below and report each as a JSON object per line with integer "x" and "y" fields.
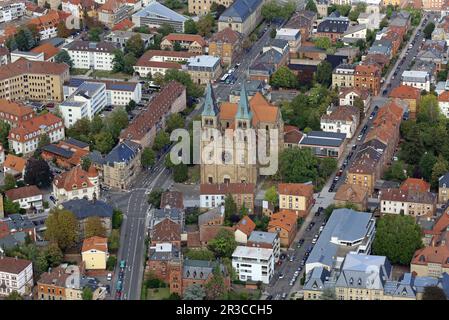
{"x": 253, "y": 264}
{"x": 284, "y": 223}
{"x": 87, "y": 55}
{"x": 347, "y": 97}
{"x": 366, "y": 168}
{"x": 443, "y": 103}
{"x": 343, "y": 119}
{"x": 368, "y": 76}
{"x": 190, "y": 42}
{"x": 354, "y": 33}
{"x": 345, "y": 231}
{"x": 25, "y": 137}
{"x": 200, "y": 8}
{"x": 212, "y": 217}
{"x": 31, "y": 56}
{"x": 155, "y": 14}
{"x": 15, "y": 275}
{"x": 257, "y": 114}
{"x": 18, "y": 225}
{"x": 266, "y": 64}
{"x": 83, "y": 209}
{"x": 408, "y": 202}
{"x": 204, "y": 69}
{"x": 174, "y": 214}
{"x": 383, "y": 47}
{"x": 343, "y": 76}
{"x": 161, "y": 257}
{"x": 292, "y": 136}
{"x": 122, "y": 165}
{"x": 226, "y": 44}
{"x": 159, "y": 61}
{"x": 243, "y": 229}
{"x": 14, "y": 113}
{"x": 293, "y": 36}
{"x": 353, "y": 194}
{"x": 371, "y": 20}
{"x": 76, "y": 184}
{"x": 118, "y": 93}
{"x": 66, "y": 154}
{"x": 94, "y": 253}
{"x": 432, "y": 260}
{"x": 416, "y": 79}
{"x": 443, "y": 188}
{"x": 304, "y": 21}
{"x": 166, "y": 231}
{"x": 242, "y": 16}
{"x": 172, "y": 200}
{"x": 28, "y": 197}
{"x": 296, "y": 197}
{"x": 76, "y": 8}
{"x": 324, "y": 144}
{"x": 144, "y": 127}
{"x": 414, "y": 184}
{"x": 47, "y": 25}
{"x": 48, "y": 51}
{"x": 410, "y": 94}
{"x": 267, "y": 240}
{"x": 14, "y": 165}
{"x": 33, "y": 80}
{"x": 333, "y": 27}
{"x": 213, "y": 195}
{"x": 200, "y": 272}
{"x": 113, "y": 12}
{"x": 5, "y": 57}
{"x": 11, "y": 10}
{"x": 120, "y": 38}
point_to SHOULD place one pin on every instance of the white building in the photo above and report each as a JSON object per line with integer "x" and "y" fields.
{"x": 347, "y": 96}
{"x": 15, "y": 275}
{"x": 118, "y": 93}
{"x": 293, "y": 36}
{"x": 88, "y": 100}
{"x": 341, "y": 120}
{"x": 443, "y": 103}
{"x": 355, "y": 33}
{"x": 96, "y": 55}
{"x": 267, "y": 240}
{"x": 11, "y": 10}
{"x": 416, "y": 79}
{"x": 77, "y": 184}
{"x": 32, "y": 56}
{"x": 25, "y": 137}
{"x": 27, "y": 197}
{"x": 371, "y": 20}
{"x": 253, "y": 264}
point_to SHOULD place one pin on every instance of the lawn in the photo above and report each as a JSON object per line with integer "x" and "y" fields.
{"x": 158, "y": 294}
{"x": 110, "y": 74}
{"x": 77, "y": 72}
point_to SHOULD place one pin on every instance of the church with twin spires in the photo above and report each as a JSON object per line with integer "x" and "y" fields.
{"x": 255, "y": 113}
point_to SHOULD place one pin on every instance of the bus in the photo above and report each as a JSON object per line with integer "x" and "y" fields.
{"x": 223, "y": 79}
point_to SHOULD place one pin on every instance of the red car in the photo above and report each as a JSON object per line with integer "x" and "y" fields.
{"x": 118, "y": 294}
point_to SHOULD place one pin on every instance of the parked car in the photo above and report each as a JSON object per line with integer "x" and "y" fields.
{"x": 109, "y": 277}
{"x": 281, "y": 276}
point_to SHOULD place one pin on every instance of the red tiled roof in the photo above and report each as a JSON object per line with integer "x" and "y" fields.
{"x": 166, "y": 231}
{"x": 415, "y": 184}
{"x": 246, "y": 225}
{"x": 296, "y": 189}
{"x": 292, "y": 134}
{"x": 13, "y": 265}
{"x": 14, "y": 108}
{"x": 15, "y": 163}
{"x": 227, "y": 188}
{"x": 23, "y": 192}
{"x": 405, "y": 92}
{"x": 444, "y": 96}
{"x": 186, "y": 37}
{"x": 25, "y": 130}
{"x": 75, "y": 179}
{"x": 123, "y": 25}
{"x": 48, "y": 49}
{"x": 284, "y": 219}
{"x": 24, "y": 66}
{"x": 226, "y": 35}
{"x": 96, "y": 243}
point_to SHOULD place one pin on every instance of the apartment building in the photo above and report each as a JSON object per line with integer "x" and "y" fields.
{"x": 284, "y": 223}
{"x": 416, "y": 79}
{"x": 122, "y": 165}
{"x": 347, "y": 96}
{"x": 47, "y": 25}
{"x": 25, "y": 138}
{"x": 33, "y": 80}
{"x": 114, "y": 11}
{"x": 159, "y": 61}
{"x": 94, "y": 253}
{"x": 333, "y": 27}
{"x": 366, "y": 168}
{"x": 267, "y": 240}
{"x": 226, "y": 44}
{"x": 87, "y": 55}
{"x": 368, "y": 76}
{"x": 14, "y": 113}
{"x": 408, "y": 202}
{"x": 15, "y": 275}
{"x": 253, "y": 264}
{"x": 190, "y": 42}
{"x": 204, "y": 69}
{"x": 214, "y": 195}
{"x": 343, "y": 76}
{"x": 443, "y": 188}
{"x": 87, "y": 101}
{"x": 412, "y": 96}
{"x": 11, "y": 10}
{"x": 28, "y": 197}
{"x": 120, "y": 38}
{"x": 343, "y": 119}
{"x": 297, "y": 197}
{"x": 76, "y": 184}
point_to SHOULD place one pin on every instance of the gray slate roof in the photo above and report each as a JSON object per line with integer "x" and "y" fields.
{"x": 321, "y": 138}
{"x": 240, "y": 10}
{"x": 83, "y": 208}
{"x": 200, "y": 269}
{"x": 262, "y": 237}
{"x": 125, "y": 151}
{"x": 444, "y": 181}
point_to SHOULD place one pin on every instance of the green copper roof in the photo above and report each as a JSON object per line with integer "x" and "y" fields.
{"x": 243, "y": 111}
{"x": 210, "y": 105}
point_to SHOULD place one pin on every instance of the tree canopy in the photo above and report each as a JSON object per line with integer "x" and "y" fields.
{"x": 62, "y": 228}
{"x": 37, "y": 172}
{"x": 223, "y": 245}
{"x": 284, "y": 78}
{"x": 273, "y": 10}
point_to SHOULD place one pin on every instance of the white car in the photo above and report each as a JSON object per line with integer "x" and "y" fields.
{"x": 109, "y": 277}
{"x": 314, "y": 240}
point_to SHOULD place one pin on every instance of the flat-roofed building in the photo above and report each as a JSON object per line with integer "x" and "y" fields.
{"x": 324, "y": 144}
{"x": 253, "y": 264}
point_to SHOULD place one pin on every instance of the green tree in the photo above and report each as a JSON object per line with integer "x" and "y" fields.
{"x": 272, "y": 196}
{"x": 14, "y": 295}
{"x": 200, "y": 254}
{"x": 147, "y": 158}
{"x": 37, "y": 172}
{"x": 190, "y": 27}
{"x": 428, "y": 109}
{"x": 311, "y": 6}
{"x": 173, "y": 4}
{"x": 297, "y": 166}
{"x": 161, "y": 140}
{"x": 135, "y": 45}
{"x": 116, "y": 122}
{"x": 165, "y": 29}
{"x": 44, "y": 140}
{"x": 224, "y": 244}
{"x": 194, "y": 292}
{"x": 426, "y": 164}
{"x": 87, "y": 294}
{"x": 64, "y": 57}
{"x": 111, "y": 263}
{"x": 114, "y": 240}
{"x": 180, "y": 173}
{"x": 327, "y": 166}
{"x": 94, "y": 34}
{"x": 434, "y": 293}
{"x": 86, "y": 163}
{"x": 440, "y": 167}
{"x": 397, "y": 237}
{"x": 9, "y": 182}
{"x": 427, "y": 31}
{"x": 177, "y": 46}
{"x": 24, "y": 39}
{"x": 4, "y": 132}
{"x": 184, "y": 78}
{"x": 215, "y": 287}
{"x": 129, "y": 61}
{"x": 396, "y": 172}
{"x": 205, "y": 24}
{"x": 118, "y": 61}
{"x": 323, "y": 43}
{"x": 174, "y": 121}
{"x": 62, "y": 228}
{"x": 117, "y": 218}
{"x": 359, "y": 104}
{"x": 230, "y": 206}
{"x": 383, "y": 23}
{"x": 10, "y": 207}
{"x": 103, "y": 142}
{"x": 324, "y": 73}
{"x": 284, "y": 78}
{"x": 94, "y": 228}
{"x": 53, "y": 255}
{"x": 154, "y": 198}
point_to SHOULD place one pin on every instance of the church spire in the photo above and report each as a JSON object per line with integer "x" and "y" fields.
{"x": 243, "y": 110}
{"x": 210, "y": 104}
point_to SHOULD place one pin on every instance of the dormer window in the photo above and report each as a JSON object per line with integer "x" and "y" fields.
{"x": 74, "y": 187}
{"x": 351, "y": 281}
{"x": 359, "y": 282}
